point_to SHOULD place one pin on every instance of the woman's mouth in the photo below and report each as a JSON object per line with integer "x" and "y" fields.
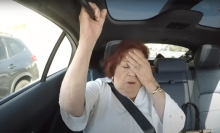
{"x": 131, "y": 83}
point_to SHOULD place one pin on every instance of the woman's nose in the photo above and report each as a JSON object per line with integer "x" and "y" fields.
{"x": 131, "y": 73}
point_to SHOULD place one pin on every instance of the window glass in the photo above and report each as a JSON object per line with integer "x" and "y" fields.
{"x": 146, "y": 9}
{"x": 15, "y": 47}
{"x": 3, "y": 54}
{"x": 62, "y": 57}
{"x": 211, "y": 12}
{"x": 165, "y": 51}
{"x": 134, "y": 9}
{"x": 24, "y": 29}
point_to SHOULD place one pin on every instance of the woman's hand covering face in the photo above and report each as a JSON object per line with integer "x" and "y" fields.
{"x": 140, "y": 65}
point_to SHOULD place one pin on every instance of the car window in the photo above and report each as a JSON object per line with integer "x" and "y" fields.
{"x": 165, "y": 51}
{"x": 25, "y": 30}
{"x": 14, "y": 46}
{"x": 62, "y": 57}
{"x": 3, "y": 54}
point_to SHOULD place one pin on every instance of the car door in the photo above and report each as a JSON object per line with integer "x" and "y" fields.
{"x": 32, "y": 109}
{"x": 5, "y": 71}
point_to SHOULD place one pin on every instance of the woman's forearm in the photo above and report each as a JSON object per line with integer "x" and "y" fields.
{"x": 158, "y": 98}
{"x": 72, "y": 93}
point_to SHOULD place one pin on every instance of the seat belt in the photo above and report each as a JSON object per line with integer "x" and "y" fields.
{"x": 141, "y": 120}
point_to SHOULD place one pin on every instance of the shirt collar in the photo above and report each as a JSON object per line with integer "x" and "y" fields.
{"x": 140, "y": 96}
{"x": 106, "y": 79}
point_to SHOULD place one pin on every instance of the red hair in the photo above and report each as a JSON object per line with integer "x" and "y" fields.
{"x": 115, "y": 58}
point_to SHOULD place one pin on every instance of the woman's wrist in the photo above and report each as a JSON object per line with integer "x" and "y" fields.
{"x": 87, "y": 43}
{"x": 151, "y": 86}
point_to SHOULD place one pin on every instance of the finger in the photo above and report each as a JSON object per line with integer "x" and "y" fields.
{"x": 96, "y": 10}
{"x": 103, "y": 15}
{"x": 132, "y": 61}
{"x": 93, "y": 5}
{"x": 132, "y": 67}
{"x": 136, "y": 58}
{"x": 139, "y": 55}
{"x": 83, "y": 12}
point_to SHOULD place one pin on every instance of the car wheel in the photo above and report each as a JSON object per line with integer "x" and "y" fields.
{"x": 21, "y": 84}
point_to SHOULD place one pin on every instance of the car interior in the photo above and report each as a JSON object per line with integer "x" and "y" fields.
{"x": 35, "y": 108}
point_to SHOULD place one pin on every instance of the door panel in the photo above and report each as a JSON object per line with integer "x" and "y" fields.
{"x": 33, "y": 108}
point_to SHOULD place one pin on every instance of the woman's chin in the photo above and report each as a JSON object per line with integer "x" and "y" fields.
{"x": 131, "y": 88}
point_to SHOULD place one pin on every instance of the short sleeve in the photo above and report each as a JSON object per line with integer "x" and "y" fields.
{"x": 173, "y": 118}
{"x": 91, "y": 98}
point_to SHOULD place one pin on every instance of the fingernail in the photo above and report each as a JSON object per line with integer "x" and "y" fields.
{"x": 127, "y": 56}
{"x": 129, "y": 52}
{"x": 134, "y": 51}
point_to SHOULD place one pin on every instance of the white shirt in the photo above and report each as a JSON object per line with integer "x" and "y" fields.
{"x": 104, "y": 113}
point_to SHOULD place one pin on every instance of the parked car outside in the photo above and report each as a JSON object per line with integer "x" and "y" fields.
{"x": 18, "y": 65}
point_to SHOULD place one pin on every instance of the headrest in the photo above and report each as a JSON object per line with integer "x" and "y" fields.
{"x": 170, "y": 65}
{"x": 207, "y": 56}
{"x": 111, "y": 47}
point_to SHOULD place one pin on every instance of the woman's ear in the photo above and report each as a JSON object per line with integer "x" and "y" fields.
{"x": 113, "y": 80}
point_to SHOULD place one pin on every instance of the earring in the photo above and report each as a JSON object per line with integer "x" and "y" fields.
{"x": 113, "y": 80}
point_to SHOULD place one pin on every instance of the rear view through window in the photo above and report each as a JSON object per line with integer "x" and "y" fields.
{"x": 165, "y": 51}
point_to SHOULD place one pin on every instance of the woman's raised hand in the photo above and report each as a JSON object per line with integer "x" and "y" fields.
{"x": 90, "y": 29}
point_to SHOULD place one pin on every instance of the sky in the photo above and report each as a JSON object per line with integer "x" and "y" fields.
{"x": 26, "y": 24}
{"x": 38, "y": 33}
{"x": 12, "y": 14}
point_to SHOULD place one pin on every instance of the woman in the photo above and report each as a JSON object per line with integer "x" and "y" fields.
{"x": 93, "y": 108}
